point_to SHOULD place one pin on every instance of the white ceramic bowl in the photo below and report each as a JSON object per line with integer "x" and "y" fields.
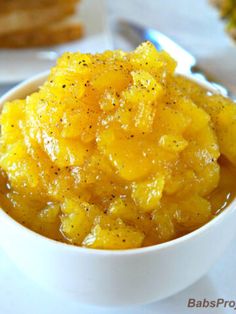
{"x": 114, "y": 278}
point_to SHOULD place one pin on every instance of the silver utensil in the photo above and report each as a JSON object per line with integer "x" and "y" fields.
{"x": 187, "y": 63}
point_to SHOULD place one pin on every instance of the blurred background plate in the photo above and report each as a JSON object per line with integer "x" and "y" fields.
{"x": 19, "y": 64}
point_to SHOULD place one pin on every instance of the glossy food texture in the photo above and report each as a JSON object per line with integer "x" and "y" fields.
{"x": 115, "y": 152}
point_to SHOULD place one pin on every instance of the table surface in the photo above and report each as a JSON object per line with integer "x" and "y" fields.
{"x": 18, "y": 295}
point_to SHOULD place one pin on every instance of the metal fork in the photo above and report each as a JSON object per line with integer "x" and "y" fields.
{"x": 187, "y": 63}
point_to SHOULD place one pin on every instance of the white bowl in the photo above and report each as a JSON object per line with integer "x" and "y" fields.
{"x": 114, "y": 278}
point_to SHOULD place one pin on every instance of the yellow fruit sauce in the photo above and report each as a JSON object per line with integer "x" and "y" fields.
{"x": 115, "y": 151}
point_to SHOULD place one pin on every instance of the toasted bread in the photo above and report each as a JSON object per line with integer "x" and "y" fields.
{"x": 56, "y": 33}
{"x": 7, "y": 6}
{"x": 29, "y": 19}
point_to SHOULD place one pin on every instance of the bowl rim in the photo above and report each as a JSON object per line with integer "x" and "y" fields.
{"x": 36, "y": 81}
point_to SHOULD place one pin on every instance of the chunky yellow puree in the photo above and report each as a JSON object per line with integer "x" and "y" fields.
{"x": 114, "y": 151}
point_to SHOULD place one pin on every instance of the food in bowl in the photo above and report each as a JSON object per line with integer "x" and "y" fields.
{"x": 115, "y": 151}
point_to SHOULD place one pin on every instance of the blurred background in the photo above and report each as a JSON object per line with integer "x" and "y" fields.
{"x": 34, "y": 33}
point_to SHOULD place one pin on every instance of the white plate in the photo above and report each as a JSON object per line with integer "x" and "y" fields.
{"x": 19, "y": 64}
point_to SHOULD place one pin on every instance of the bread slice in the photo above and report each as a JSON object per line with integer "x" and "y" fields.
{"x": 55, "y": 33}
{"x": 24, "y": 20}
{"x": 7, "y": 6}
